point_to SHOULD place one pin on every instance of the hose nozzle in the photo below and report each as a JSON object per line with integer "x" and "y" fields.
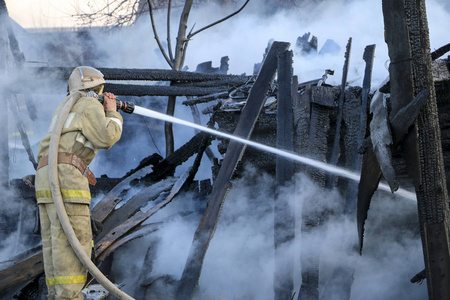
{"x": 124, "y": 106}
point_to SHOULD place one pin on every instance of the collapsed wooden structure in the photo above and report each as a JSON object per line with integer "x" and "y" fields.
{"x": 324, "y": 122}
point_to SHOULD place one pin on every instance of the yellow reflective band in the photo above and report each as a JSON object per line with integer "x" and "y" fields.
{"x": 65, "y": 193}
{"x": 66, "y": 280}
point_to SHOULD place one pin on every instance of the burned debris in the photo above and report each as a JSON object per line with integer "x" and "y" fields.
{"x": 344, "y": 126}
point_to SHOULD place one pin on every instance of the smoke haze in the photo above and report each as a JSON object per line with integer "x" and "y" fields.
{"x": 239, "y": 263}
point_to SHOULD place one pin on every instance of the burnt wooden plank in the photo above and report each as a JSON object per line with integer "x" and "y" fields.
{"x": 410, "y": 71}
{"x": 317, "y": 148}
{"x": 336, "y": 152}
{"x": 119, "y": 231}
{"x": 317, "y": 141}
{"x": 23, "y": 270}
{"x": 146, "y": 195}
{"x": 137, "y": 74}
{"x": 351, "y": 119}
{"x": 104, "y": 208}
{"x": 437, "y": 241}
{"x": 284, "y": 220}
{"x": 355, "y": 159}
{"x": 162, "y": 90}
{"x": 235, "y": 150}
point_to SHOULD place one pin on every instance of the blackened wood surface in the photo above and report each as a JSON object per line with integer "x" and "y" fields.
{"x": 437, "y": 241}
{"x": 162, "y": 90}
{"x": 354, "y": 163}
{"x": 410, "y": 71}
{"x": 302, "y": 112}
{"x": 22, "y": 270}
{"x": 318, "y": 141}
{"x": 431, "y": 190}
{"x": 351, "y": 120}
{"x": 336, "y": 152}
{"x": 137, "y": 219}
{"x": 324, "y": 96}
{"x": 208, "y": 223}
{"x": 133, "y": 205}
{"x": 284, "y": 219}
{"x": 317, "y": 148}
{"x": 104, "y": 208}
{"x": 138, "y": 74}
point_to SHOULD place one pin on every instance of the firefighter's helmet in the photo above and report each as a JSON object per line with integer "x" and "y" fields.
{"x": 85, "y": 78}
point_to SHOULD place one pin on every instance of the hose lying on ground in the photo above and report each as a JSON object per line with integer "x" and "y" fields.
{"x": 59, "y": 205}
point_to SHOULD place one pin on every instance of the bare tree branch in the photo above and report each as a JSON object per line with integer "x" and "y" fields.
{"x": 161, "y": 48}
{"x": 169, "y": 42}
{"x": 181, "y": 38}
{"x": 219, "y": 21}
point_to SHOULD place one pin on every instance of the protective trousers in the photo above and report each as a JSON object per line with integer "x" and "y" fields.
{"x": 65, "y": 274}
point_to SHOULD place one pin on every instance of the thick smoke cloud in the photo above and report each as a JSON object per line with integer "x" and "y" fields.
{"x": 239, "y": 263}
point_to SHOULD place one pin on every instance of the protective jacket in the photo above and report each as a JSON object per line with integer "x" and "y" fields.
{"x": 87, "y": 128}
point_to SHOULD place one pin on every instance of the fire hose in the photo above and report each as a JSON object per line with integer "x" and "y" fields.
{"x": 58, "y": 201}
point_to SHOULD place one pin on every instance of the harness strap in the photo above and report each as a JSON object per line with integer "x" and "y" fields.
{"x": 74, "y": 160}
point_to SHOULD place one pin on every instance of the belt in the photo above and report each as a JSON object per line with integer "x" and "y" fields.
{"x": 74, "y": 160}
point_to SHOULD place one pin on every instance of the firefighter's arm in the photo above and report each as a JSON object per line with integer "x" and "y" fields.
{"x": 101, "y": 127}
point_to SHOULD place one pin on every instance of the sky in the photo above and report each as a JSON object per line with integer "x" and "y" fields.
{"x": 239, "y": 261}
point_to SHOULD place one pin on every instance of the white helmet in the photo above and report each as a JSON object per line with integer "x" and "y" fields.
{"x": 84, "y": 78}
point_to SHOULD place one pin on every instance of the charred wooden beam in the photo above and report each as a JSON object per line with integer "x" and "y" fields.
{"x": 354, "y": 163}
{"x": 410, "y": 71}
{"x": 104, "y": 208}
{"x": 284, "y": 219}
{"x": 137, "y": 219}
{"x": 335, "y": 152}
{"x": 151, "y": 160}
{"x": 244, "y": 128}
{"x": 207, "y": 98}
{"x": 23, "y": 270}
{"x": 227, "y": 82}
{"x": 440, "y": 51}
{"x": 167, "y": 166}
{"x": 161, "y": 90}
{"x": 137, "y": 74}
{"x": 146, "y": 195}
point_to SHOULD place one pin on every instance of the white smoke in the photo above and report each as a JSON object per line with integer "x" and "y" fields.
{"x": 239, "y": 263}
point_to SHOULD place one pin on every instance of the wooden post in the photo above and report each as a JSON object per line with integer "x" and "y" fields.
{"x": 284, "y": 220}
{"x": 336, "y": 152}
{"x": 235, "y": 150}
{"x": 410, "y": 72}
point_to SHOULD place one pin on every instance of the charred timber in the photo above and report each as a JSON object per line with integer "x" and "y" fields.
{"x": 167, "y": 166}
{"x": 139, "y": 74}
{"x": 244, "y": 128}
{"x": 159, "y": 90}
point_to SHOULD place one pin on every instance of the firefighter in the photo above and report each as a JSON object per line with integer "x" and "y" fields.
{"x": 89, "y": 126}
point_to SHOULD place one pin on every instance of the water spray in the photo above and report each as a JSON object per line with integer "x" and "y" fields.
{"x": 129, "y": 107}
